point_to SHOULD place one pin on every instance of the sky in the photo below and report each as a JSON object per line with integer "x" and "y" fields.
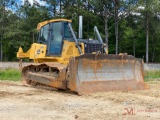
{"x": 21, "y": 2}
{"x": 41, "y": 2}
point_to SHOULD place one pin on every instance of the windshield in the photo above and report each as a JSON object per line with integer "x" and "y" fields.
{"x": 43, "y": 36}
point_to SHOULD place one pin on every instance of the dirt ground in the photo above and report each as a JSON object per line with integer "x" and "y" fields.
{"x": 18, "y": 102}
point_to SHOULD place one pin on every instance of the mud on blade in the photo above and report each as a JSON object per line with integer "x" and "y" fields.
{"x": 95, "y": 73}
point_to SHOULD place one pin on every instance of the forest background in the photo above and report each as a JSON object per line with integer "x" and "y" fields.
{"x": 126, "y": 26}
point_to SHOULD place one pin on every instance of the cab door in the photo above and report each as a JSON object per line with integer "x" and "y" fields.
{"x": 55, "y": 39}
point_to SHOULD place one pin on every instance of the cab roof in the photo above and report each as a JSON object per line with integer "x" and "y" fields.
{"x": 41, "y": 24}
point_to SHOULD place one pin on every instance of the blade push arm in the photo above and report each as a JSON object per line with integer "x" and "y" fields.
{"x": 75, "y": 39}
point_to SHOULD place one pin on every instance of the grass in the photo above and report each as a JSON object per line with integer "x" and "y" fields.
{"x": 10, "y": 74}
{"x": 152, "y": 75}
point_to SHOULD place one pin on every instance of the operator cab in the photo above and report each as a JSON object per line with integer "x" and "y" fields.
{"x": 53, "y": 34}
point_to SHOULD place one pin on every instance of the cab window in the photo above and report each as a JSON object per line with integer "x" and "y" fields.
{"x": 43, "y": 36}
{"x": 67, "y": 33}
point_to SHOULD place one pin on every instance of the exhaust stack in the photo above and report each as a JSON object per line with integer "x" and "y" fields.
{"x": 80, "y": 33}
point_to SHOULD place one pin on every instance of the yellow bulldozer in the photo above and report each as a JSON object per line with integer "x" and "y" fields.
{"x": 63, "y": 61}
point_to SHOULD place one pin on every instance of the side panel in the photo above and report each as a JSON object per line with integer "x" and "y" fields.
{"x": 37, "y": 51}
{"x": 70, "y": 50}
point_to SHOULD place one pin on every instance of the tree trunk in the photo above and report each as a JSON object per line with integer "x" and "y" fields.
{"x": 134, "y": 50}
{"x": 1, "y": 50}
{"x": 147, "y": 39}
{"x": 88, "y": 21}
{"x": 33, "y": 37}
{"x": 3, "y": 24}
{"x": 54, "y": 9}
{"x": 153, "y": 48}
{"x": 60, "y": 7}
{"x": 116, "y": 25}
{"x": 106, "y": 31}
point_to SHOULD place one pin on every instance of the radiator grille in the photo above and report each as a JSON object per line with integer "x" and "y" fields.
{"x": 92, "y": 47}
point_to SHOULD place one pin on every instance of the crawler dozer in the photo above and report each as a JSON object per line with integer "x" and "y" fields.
{"x": 63, "y": 61}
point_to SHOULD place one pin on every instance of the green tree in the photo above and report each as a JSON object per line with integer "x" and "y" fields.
{"x": 150, "y": 10}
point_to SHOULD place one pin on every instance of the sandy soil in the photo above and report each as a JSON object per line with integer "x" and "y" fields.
{"x": 26, "y": 103}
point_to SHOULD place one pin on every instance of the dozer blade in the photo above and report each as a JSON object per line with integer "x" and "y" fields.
{"x": 95, "y": 73}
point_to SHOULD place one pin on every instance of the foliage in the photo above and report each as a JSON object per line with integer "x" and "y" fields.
{"x": 19, "y": 21}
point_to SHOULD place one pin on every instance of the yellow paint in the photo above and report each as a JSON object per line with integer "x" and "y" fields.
{"x": 37, "y": 52}
{"x": 49, "y": 21}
